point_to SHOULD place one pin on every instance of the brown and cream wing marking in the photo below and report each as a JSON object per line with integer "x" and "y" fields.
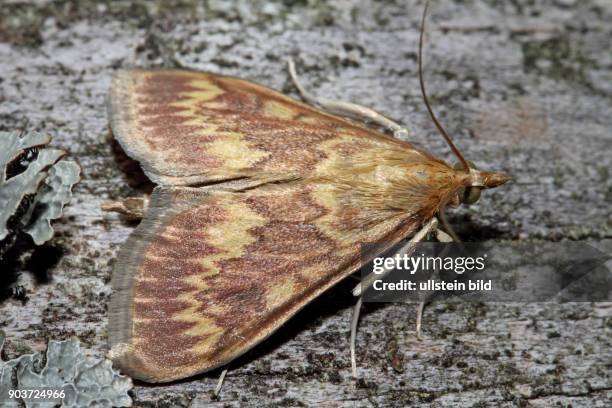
{"x": 191, "y": 128}
{"x": 208, "y": 275}
{"x": 212, "y": 271}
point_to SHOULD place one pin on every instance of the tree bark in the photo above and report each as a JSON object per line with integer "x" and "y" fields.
{"x": 523, "y": 87}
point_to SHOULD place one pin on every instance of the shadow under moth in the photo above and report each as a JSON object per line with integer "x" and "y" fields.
{"x": 262, "y": 203}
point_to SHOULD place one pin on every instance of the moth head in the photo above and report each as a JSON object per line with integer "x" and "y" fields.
{"x": 477, "y": 180}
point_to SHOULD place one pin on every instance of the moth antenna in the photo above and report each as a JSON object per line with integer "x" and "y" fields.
{"x": 426, "y": 99}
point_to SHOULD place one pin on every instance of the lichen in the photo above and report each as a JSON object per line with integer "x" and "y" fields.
{"x": 35, "y": 184}
{"x": 85, "y": 381}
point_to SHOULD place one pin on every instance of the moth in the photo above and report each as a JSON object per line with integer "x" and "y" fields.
{"x": 262, "y": 203}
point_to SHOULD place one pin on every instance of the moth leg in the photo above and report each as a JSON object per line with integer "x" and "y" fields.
{"x": 442, "y": 237}
{"x": 132, "y": 208}
{"x": 354, "y": 322}
{"x": 449, "y": 229}
{"x": 348, "y": 109}
{"x": 369, "y": 280}
{"x": 220, "y": 382}
{"x": 419, "y": 319}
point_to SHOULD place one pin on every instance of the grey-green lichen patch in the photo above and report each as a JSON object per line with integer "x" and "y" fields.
{"x": 35, "y": 184}
{"x": 85, "y": 381}
{"x": 52, "y": 199}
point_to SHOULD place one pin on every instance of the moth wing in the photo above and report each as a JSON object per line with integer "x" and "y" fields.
{"x": 188, "y": 127}
{"x": 208, "y": 275}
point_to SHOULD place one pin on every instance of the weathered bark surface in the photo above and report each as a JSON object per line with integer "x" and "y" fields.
{"x": 523, "y": 86}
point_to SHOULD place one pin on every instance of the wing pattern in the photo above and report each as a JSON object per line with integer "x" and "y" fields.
{"x": 211, "y": 271}
{"x": 190, "y": 127}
